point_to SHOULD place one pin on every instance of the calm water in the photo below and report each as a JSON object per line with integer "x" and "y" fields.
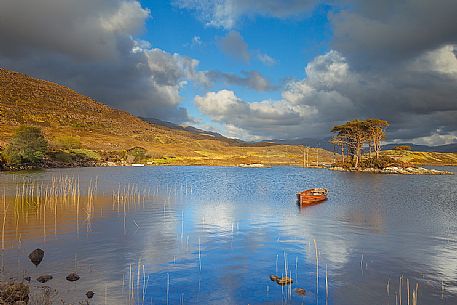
{"x": 213, "y": 235}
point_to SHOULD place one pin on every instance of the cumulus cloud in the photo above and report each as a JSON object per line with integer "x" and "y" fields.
{"x": 249, "y": 79}
{"x": 226, "y": 13}
{"x": 90, "y": 46}
{"x": 251, "y": 120}
{"x": 332, "y": 92}
{"x": 234, "y": 45}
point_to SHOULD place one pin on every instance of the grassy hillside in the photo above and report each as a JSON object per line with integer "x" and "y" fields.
{"x": 107, "y": 134}
{"x": 422, "y": 158}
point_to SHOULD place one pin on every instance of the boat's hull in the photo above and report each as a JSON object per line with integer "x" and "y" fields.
{"x": 310, "y": 200}
{"x": 309, "y": 197}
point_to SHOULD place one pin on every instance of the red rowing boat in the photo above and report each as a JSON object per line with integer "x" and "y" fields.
{"x": 312, "y": 196}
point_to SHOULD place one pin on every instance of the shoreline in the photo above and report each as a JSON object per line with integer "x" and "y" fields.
{"x": 418, "y": 170}
{"x": 394, "y": 170}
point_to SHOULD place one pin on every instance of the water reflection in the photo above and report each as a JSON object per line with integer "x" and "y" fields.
{"x": 214, "y": 235}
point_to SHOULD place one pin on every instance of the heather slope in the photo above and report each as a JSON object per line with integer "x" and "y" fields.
{"x": 61, "y": 112}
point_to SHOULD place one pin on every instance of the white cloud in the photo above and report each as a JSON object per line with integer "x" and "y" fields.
{"x": 128, "y": 18}
{"x": 266, "y": 59}
{"x": 327, "y": 70}
{"x": 226, "y": 13}
{"x": 219, "y": 104}
{"x": 442, "y": 60}
{"x": 437, "y": 139}
{"x": 196, "y": 41}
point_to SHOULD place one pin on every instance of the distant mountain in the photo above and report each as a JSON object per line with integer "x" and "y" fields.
{"x": 181, "y": 127}
{"x": 325, "y": 144}
{"x": 310, "y": 142}
{"x": 426, "y": 148}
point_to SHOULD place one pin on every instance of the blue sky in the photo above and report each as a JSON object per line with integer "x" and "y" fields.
{"x": 249, "y": 69}
{"x": 291, "y": 42}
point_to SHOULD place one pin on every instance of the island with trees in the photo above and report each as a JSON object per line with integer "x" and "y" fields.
{"x": 359, "y": 143}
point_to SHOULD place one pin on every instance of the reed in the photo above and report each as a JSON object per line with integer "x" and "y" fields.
{"x": 5, "y": 211}
{"x": 317, "y": 268}
{"x": 130, "y": 284}
{"x": 138, "y": 278}
{"x": 411, "y": 294}
{"x": 199, "y": 255}
{"x": 326, "y": 284}
{"x": 168, "y": 286}
{"x": 407, "y": 289}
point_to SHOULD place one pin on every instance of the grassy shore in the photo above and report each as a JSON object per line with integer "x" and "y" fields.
{"x": 423, "y": 158}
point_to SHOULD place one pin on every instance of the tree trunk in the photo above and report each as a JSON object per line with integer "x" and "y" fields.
{"x": 358, "y": 153}
{"x": 377, "y": 147}
{"x": 342, "y": 153}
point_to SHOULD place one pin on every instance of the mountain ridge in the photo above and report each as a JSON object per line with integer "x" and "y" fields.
{"x": 325, "y": 144}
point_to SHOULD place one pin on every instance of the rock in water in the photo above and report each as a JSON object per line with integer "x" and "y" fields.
{"x": 300, "y": 291}
{"x": 72, "y": 277}
{"x": 284, "y": 281}
{"x": 44, "y": 278}
{"x": 274, "y": 278}
{"x": 90, "y": 294}
{"x": 28, "y": 278}
{"x": 36, "y": 256}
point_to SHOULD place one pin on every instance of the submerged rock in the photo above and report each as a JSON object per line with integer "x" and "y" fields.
{"x": 36, "y": 256}
{"x": 28, "y": 278}
{"x": 285, "y": 280}
{"x": 44, "y": 278}
{"x": 72, "y": 277}
{"x": 274, "y": 278}
{"x": 300, "y": 291}
{"x": 14, "y": 293}
{"x": 90, "y": 294}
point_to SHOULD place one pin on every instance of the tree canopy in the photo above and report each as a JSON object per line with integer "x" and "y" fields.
{"x": 28, "y": 146}
{"x": 352, "y": 136}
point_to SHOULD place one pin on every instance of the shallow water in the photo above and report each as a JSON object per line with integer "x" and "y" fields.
{"x": 213, "y": 235}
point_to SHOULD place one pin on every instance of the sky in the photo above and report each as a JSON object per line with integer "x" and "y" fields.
{"x": 255, "y": 70}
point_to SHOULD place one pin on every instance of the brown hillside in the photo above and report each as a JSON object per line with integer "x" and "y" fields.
{"x": 423, "y": 158}
{"x": 60, "y": 111}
